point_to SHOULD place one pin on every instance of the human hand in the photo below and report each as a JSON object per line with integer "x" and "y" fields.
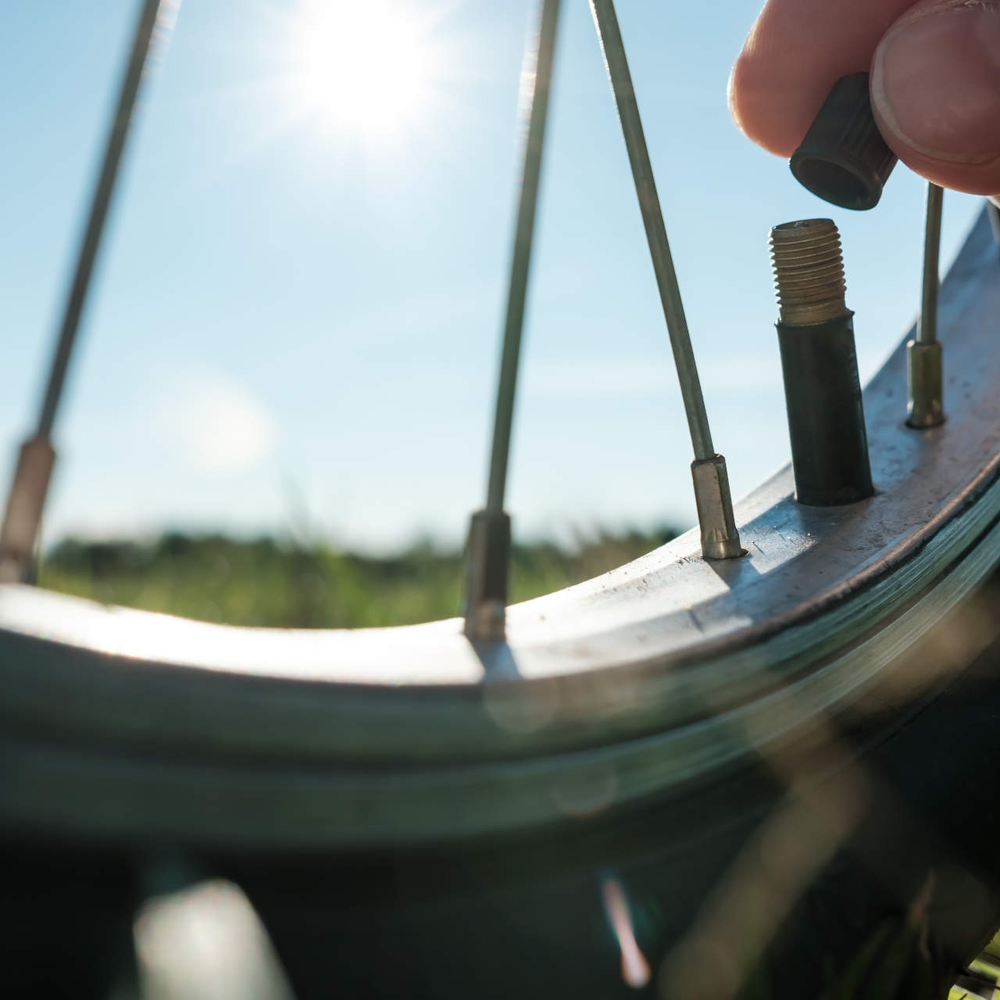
{"x": 935, "y": 79}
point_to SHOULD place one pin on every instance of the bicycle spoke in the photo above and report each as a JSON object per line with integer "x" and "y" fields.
{"x": 98, "y": 212}
{"x": 927, "y": 326}
{"x": 924, "y": 362}
{"x": 28, "y": 490}
{"x": 720, "y": 539}
{"x": 488, "y": 550}
{"x": 521, "y": 259}
{"x": 993, "y": 211}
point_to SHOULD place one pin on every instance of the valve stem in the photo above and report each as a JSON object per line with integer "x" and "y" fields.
{"x": 826, "y": 421}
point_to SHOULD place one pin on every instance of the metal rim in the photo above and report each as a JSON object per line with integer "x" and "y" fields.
{"x": 126, "y": 722}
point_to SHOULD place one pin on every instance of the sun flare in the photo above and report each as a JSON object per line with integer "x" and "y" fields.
{"x": 366, "y": 67}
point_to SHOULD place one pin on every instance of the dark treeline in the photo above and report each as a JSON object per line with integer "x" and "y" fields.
{"x": 267, "y": 581}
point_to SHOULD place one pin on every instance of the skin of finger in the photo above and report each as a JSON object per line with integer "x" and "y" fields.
{"x": 972, "y": 178}
{"x": 795, "y": 52}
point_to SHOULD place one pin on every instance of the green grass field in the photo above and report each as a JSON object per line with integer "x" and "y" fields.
{"x": 278, "y": 583}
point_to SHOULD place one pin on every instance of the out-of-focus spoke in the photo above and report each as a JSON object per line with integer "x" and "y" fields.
{"x": 538, "y": 77}
{"x": 28, "y": 490}
{"x": 924, "y": 374}
{"x": 98, "y": 213}
{"x": 488, "y": 550}
{"x": 994, "y": 213}
{"x": 720, "y": 539}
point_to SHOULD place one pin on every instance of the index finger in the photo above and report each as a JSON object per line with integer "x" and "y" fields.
{"x": 794, "y": 54}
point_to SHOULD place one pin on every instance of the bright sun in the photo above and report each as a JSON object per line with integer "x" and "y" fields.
{"x": 367, "y": 67}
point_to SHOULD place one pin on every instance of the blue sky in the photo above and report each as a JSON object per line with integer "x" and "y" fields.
{"x": 298, "y": 317}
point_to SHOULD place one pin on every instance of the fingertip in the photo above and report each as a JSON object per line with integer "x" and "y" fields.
{"x": 936, "y": 93}
{"x": 794, "y": 54}
{"x": 978, "y": 179}
{"x": 755, "y": 104}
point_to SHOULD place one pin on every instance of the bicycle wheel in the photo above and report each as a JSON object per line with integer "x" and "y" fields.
{"x": 735, "y": 769}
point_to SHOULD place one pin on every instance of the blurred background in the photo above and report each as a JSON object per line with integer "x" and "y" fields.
{"x": 294, "y": 331}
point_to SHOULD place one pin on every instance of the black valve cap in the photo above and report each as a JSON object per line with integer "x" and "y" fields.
{"x": 843, "y": 158}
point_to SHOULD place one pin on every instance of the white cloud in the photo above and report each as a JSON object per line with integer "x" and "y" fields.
{"x": 213, "y": 425}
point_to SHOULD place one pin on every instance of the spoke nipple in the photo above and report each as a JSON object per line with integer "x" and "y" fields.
{"x": 826, "y": 420}
{"x": 23, "y": 515}
{"x": 924, "y": 366}
{"x": 924, "y": 385}
{"x": 719, "y": 537}
{"x": 487, "y": 567}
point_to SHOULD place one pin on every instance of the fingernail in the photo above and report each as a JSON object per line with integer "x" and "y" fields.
{"x": 936, "y": 83}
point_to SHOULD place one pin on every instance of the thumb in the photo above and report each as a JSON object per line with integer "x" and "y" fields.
{"x": 936, "y": 92}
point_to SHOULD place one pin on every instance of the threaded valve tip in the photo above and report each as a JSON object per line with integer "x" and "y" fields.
{"x": 808, "y": 271}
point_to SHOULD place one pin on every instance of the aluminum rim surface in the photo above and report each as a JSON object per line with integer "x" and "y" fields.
{"x": 631, "y": 683}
